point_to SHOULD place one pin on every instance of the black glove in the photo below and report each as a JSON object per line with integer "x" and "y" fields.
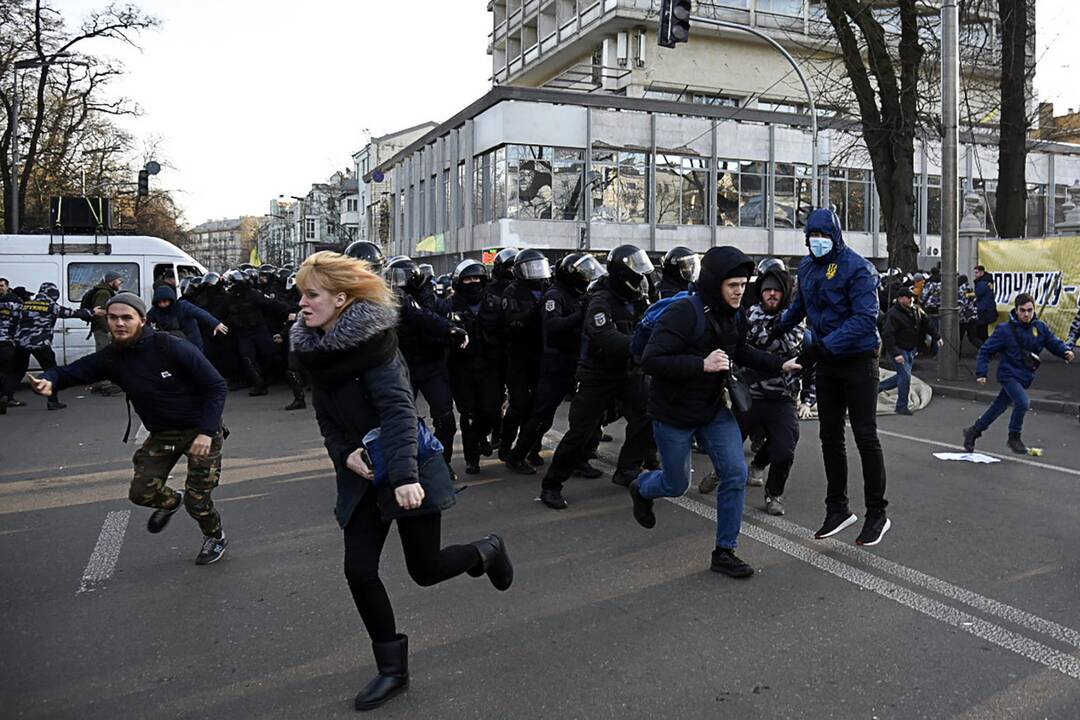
{"x": 457, "y": 336}
{"x": 812, "y": 354}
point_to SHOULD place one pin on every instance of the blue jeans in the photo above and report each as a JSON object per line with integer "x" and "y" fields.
{"x": 1012, "y": 393}
{"x": 901, "y": 380}
{"x": 722, "y": 439}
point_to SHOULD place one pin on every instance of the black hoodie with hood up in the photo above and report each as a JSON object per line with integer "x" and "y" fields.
{"x": 681, "y": 392}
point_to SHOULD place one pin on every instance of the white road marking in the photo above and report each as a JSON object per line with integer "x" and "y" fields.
{"x": 1014, "y": 615}
{"x": 1010, "y": 458}
{"x": 106, "y": 551}
{"x": 1025, "y": 647}
{"x": 218, "y": 501}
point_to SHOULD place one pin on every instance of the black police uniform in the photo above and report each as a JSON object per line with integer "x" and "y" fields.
{"x": 474, "y": 370}
{"x": 248, "y": 309}
{"x": 423, "y": 338}
{"x": 606, "y": 372}
{"x": 521, "y": 314}
{"x": 562, "y": 311}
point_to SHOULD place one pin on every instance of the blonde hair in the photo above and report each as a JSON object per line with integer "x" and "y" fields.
{"x": 343, "y": 274}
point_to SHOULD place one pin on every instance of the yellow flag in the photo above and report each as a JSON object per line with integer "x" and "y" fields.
{"x": 254, "y": 257}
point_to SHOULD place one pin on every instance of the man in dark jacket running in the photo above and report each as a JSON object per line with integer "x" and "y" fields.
{"x": 903, "y": 330}
{"x": 1019, "y": 343}
{"x": 985, "y": 303}
{"x": 689, "y": 359}
{"x": 838, "y": 297}
{"x": 179, "y": 397}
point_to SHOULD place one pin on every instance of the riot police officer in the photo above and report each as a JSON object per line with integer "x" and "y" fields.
{"x": 521, "y": 312}
{"x": 502, "y": 274}
{"x": 607, "y": 372}
{"x": 562, "y": 314}
{"x": 679, "y": 268}
{"x": 247, "y": 313}
{"x": 424, "y": 337}
{"x": 473, "y": 379}
{"x": 368, "y": 252}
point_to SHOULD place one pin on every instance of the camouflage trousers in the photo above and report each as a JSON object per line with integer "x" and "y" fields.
{"x": 156, "y": 459}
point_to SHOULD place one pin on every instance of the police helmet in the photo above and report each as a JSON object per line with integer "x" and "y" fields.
{"x": 368, "y": 252}
{"x": 770, "y": 264}
{"x": 267, "y": 269}
{"x": 531, "y": 265}
{"x": 211, "y": 278}
{"x": 504, "y": 264}
{"x": 444, "y": 285}
{"x": 283, "y": 274}
{"x": 470, "y": 268}
{"x": 427, "y": 270}
{"x": 403, "y": 272}
{"x": 577, "y": 270}
{"x": 252, "y": 274}
{"x": 628, "y": 266}
{"x": 681, "y": 263}
{"x": 245, "y": 266}
{"x": 236, "y": 277}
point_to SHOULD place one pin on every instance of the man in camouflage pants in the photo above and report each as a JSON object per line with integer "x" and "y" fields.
{"x": 179, "y": 397}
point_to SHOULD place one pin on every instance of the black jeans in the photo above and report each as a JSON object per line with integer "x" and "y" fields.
{"x": 587, "y": 409}
{"x": 427, "y": 564}
{"x": 522, "y": 378}
{"x": 777, "y": 419}
{"x": 850, "y": 384}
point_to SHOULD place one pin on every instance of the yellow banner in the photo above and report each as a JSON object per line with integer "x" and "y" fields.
{"x": 1047, "y": 269}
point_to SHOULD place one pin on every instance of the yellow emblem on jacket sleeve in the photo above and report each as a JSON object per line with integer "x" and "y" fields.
{"x": 831, "y": 272}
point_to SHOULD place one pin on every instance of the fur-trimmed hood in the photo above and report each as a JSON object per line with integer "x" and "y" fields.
{"x": 359, "y": 323}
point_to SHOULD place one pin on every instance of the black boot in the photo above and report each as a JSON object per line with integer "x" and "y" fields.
{"x": 1016, "y": 444}
{"x": 257, "y": 381}
{"x": 297, "y": 387}
{"x": 970, "y": 436}
{"x": 494, "y": 562}
{"x": 392, "y": 659}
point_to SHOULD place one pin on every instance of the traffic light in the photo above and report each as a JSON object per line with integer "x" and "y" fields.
{"x": 674, "y": 22}
{"x": 144, "y": 183}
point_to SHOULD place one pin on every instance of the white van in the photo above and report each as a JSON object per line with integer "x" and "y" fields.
{"x": 74, "y": 266}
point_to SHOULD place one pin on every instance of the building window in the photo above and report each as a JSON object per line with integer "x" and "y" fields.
{"x": 446, "y": 201}
{"x": 459, "y": 211}
{"x": 849, "y": 196}
{"x": 741, "y": 193}
{"x": 499, "y": 183}
{"x": 482, "y": 188}
{"x": 792, "y": 204}
{"x": 422, "y": 217}
{"x": 568, "y": 176}
{"x": 309, "y": 228}
{"x": 681, "y": 190}
{"x": 711, "y": 99}
{"x": 620, "y": 192}
{"x": 933, "y": 205}
{"x": 1036, "y": 211}
{"x": 529, "y": 182}
{"x": 350, "y": 205}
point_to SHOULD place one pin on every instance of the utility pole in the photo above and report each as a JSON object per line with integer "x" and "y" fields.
{"x": 950, "y": 206}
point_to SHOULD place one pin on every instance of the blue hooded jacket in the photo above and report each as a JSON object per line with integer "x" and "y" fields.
{"x": 181, "y": 315}
{"x": 837, "y": 295}
{"x": 1011, "y": 341}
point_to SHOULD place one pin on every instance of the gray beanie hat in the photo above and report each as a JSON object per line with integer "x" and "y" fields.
{"x": 112, "y": 275}
{"x": 127, "y": 298}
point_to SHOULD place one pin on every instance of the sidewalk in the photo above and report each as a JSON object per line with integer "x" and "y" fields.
{"x": 1056, "y": 387}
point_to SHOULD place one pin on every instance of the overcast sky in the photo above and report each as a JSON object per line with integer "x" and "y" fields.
{"x": 257, "y": 99}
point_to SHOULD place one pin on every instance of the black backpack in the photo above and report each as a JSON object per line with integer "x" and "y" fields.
{"x": 87, "y": 302}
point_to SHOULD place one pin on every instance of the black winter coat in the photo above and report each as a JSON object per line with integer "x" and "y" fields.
{"x": 904, "y": 329}
{"x": 681, "y": 393}
{"x": 360, "y": 382}
{"x": 482, "y": 322}
{"x": 521, "y": 310}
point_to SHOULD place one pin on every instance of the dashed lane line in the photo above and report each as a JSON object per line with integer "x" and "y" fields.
{"x": 1014, "y": 642}
{"x": 106, "y": 551}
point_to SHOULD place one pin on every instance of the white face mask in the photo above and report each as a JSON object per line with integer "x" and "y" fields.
{"x": 820, "y": 247}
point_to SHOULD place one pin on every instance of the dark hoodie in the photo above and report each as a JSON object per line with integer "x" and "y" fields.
{"x": 837, "y": 295}
{"x": 180, "y": 315}
{"x": 681, "y": 392}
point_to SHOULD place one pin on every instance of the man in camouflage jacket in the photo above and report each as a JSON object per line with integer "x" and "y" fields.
{"x": 35, "y": 332}
{"x": 10, "y": 312}
{"x": 778, "y": 401}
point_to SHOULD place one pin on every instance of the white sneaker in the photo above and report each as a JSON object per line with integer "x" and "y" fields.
{"x": 756, "y": 478}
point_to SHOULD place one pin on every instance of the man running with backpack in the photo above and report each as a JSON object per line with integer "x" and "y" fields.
{"x": 179, "y": 396}
{"x": 689, "y": 357}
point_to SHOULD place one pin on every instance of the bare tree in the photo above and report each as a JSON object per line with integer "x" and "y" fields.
{"x": 67, "y": 90}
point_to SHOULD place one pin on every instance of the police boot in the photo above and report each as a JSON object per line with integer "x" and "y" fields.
{"x": 392, "y": 659}
{"x": 297, "y": 387}
{"x": 257, "y": 381}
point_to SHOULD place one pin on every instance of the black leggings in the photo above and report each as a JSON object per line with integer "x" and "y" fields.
{"x": 365, "y": 536}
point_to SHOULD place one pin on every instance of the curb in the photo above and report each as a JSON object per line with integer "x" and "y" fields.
{"x": 963, "y": 393}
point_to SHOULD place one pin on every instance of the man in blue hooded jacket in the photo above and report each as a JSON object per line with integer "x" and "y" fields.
{"x": 1019, "y": 343}
{"x": 171, "y": 315}
{"x": 838, "y": 297}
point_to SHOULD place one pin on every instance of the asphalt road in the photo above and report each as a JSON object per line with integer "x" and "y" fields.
{"x": 966, "y": 610}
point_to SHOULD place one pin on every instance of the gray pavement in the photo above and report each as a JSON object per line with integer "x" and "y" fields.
{"x": 966, "y": 610}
